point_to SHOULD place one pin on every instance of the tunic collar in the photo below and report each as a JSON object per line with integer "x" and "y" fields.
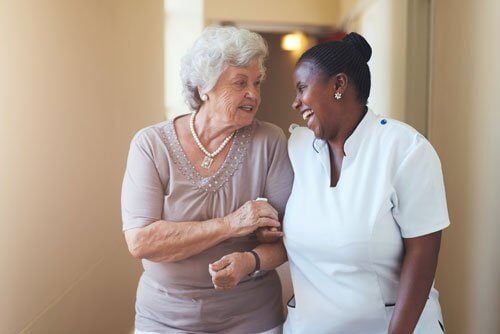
{"x": 352, "y": 143}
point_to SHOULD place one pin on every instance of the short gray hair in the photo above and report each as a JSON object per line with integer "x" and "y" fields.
{"x": 215, "y": 50}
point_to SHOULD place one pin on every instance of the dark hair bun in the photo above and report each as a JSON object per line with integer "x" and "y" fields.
{"x": 360, "y": 44}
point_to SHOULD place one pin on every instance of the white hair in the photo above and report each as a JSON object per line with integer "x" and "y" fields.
{"x": 215, "y": 50}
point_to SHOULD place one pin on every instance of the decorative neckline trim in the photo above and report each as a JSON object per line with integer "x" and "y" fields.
{"x": 235, "y": 157}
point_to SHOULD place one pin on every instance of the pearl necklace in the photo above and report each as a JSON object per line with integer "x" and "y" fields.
{"x": 209, "y": 157}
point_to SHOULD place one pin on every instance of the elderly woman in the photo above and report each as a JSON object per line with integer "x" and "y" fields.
{"x": 363, "y": 222}
{"x": 189, "y": 197}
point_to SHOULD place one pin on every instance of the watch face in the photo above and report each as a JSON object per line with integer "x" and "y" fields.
{"x": 257, "y": 273}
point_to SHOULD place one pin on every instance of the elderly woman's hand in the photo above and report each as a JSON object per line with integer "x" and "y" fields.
{"x": 251, "y": 216}
{"x": 268, "y": 234}
{"x": 230, "y": 269}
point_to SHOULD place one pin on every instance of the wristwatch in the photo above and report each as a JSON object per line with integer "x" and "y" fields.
{"x": 256, "y": 272}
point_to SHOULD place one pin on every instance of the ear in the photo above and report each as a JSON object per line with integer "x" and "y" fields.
{"x": 340, "y": 82}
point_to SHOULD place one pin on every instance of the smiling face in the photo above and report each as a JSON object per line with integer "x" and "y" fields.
{"x": 314, "y": 100}
{"x": 236, "y": 96}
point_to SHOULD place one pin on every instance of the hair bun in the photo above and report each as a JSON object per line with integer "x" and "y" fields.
{"x": 360, "y": 44}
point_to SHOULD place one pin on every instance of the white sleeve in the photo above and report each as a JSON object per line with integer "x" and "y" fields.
{"x": 420, "y": 199}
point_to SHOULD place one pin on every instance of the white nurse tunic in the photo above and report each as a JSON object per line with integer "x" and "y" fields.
{"x": 344, "y": 243}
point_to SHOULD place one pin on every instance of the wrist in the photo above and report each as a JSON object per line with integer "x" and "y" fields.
{"x": 250, "y": 263}
{"x": 229, "y": 231}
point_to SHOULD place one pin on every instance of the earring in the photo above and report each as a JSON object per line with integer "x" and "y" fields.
{"x": 338, "y": 96}
{"x": 204, "y": 97}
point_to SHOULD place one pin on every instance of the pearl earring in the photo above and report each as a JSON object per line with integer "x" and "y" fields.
{"x": 338, "y": 96}
{"x": 204, "y": 97}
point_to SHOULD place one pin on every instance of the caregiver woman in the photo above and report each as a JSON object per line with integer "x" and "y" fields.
{"x": 363, "y": 222}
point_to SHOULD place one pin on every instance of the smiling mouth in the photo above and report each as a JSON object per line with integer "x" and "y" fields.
{"x": 246, "y": 107}
{"x": 306, "y": 114}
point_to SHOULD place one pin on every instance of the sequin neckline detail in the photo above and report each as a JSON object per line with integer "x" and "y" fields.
{"x": 235, "y": 157}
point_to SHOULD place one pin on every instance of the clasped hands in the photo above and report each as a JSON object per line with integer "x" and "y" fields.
{"x": 254, "y": 216}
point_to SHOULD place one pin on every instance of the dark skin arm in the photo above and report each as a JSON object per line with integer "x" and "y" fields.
{"x": 419, "y": 268}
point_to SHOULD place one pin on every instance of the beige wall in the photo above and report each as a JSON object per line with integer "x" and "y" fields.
{"x": 384, "y": 25}
{"x": 464, "y": 119}
{"x": 278, "y": 91}
{"x": 315, "y": 12}
{"x": 184, "y": 22}
{"x": 78, "y": 78}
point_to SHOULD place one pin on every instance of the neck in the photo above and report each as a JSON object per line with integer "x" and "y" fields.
{"x": 352, "y": 117}
{"x": 209, "y": 127}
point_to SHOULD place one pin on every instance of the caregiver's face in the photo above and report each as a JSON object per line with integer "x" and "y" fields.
{"x": 313, "y": 99}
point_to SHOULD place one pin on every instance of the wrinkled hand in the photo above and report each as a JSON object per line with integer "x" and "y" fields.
{"x": 230, "y": 269}
{"x": 268, "y": 234}
{"x": 250, "y": 216}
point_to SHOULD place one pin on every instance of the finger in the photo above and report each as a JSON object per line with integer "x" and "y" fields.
{"x": 273, "y": 211}
{"x": 266, "y": 210}
{"x": 228, "y": 287}
{"x": 224, "y": 275}
{"x": 222, "y": 282}
{"x": 220, "y": 264}
{"x": 268, "y": 222}
{"x": 271, "y": 234}
{"x": 219, "y": 280}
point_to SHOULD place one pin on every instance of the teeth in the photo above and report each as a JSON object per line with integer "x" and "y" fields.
{"x": 306, "y": 114}
{"x": 248, "y": 108}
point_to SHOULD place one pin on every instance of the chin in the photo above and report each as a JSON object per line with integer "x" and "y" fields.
{"x": 316, "y": 130}
{"x": 245, "y": 120}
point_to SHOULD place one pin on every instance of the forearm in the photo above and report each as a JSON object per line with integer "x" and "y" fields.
{"x": 271, "y": 255}
{"x": 228, "y": 271}
{"x": 417, "y": 276}
{"x": 175, "y": 241}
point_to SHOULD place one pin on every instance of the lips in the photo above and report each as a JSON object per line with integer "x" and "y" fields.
{"x": 307, "y": 113}
{"x": 247, "y": 107}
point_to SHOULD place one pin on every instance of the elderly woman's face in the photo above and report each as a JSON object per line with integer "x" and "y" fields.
{"x": 236, "y": 96}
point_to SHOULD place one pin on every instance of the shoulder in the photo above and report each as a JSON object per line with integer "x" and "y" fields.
{"x": 402, "y": 138}
{"x": 300, "y": 136}
{"x": 149, "y": 137}
{"x": 268, "y": 132}
{"x": 298, "y": 133}
{"x": 394, "y": 130}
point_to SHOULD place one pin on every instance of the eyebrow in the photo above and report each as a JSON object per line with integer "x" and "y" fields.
{"x": 245, "y": 76}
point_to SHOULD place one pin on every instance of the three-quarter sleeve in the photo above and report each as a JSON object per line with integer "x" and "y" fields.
{"x": 279, "y": 179}
{"x": 420, "y": 201}
{"x": 142, "y": 190}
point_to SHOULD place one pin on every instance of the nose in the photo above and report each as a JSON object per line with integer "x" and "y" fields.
{"x": 252, "y": 93}
{"x": 296, "y": 104}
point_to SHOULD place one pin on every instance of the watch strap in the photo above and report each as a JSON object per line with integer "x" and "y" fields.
{"x": 257, "y": 260}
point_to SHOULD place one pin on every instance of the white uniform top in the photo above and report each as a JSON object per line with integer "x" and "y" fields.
{"x": 345, "y": 243}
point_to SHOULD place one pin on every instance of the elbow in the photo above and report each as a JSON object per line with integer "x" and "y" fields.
{"x": 141, "y": 247}
{"x": 136, "y": 251}
{"x": 135, "y": 248}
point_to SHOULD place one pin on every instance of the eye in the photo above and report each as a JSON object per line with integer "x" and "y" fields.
{"x": 257, "y": 83}
{"x": 300, "y": 88}
{"x": 241, "y": 83}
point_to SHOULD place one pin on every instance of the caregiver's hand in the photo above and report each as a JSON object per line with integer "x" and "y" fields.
{"x": 268, "y": 234}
